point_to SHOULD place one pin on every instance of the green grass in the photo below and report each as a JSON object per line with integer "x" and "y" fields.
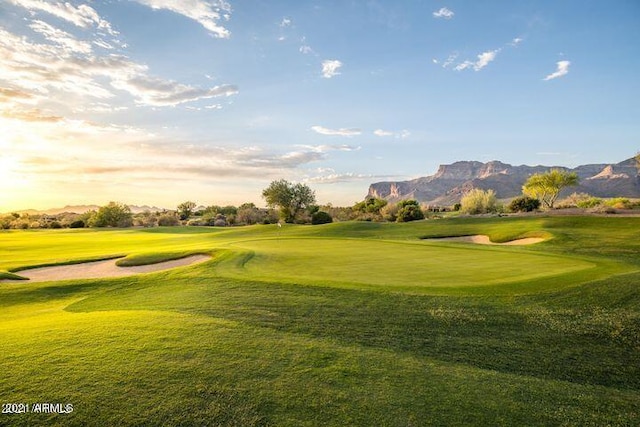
{"x": 341, "y": 324}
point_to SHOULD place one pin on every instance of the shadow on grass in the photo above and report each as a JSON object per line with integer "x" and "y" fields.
{"x": 555, "y": 336}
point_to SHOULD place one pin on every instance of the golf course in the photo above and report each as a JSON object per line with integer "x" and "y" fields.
{"x": 342, "y": 324}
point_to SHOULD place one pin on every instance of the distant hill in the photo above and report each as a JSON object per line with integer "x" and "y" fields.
{"x": 451, "y": 182}
{"x": 84, "y": 208}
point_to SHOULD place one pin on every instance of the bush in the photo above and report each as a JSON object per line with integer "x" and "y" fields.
{"x": 77, "y": 224}
{"x": 390, "y": 212}
{"x": 321, "y": 217}
{"x": 167, "y": 220}
{"x": 591, "y": 202}
{"x": 112, "y": 215}
{"x": 409, "y": 210}
{"x": 479, "y": 201}
{"x": 524, "y": 204}
{"x": 619, "y": 203}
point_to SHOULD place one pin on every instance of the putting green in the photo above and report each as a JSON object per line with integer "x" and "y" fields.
{"x": 390, "y": 264}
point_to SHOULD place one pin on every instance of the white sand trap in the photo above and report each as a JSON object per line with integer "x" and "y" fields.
{"x": 101, "y": 269}
{"x": 484, "y": 240}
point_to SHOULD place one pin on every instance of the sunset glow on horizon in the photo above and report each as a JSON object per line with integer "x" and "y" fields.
{"x": 154, "y": 102}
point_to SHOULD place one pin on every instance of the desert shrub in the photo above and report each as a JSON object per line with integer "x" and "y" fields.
{"x": 390, "y": 212}
{"x": 77, "y": 224}
{"x": 591, "y": 202}
{"x": 55, "y": 224}
{"x": 168, "y": 220}
{"x": 578, "y": 200}
{"x": 409, "y": 210}
{"x": 524, "y": 204}
{"x": 619, "y": 203}
{"x": 602, "y": 209}
{"x": 195, "y": 222}
{"x": 321, "y": 217}
{"x": 479, "y": 201}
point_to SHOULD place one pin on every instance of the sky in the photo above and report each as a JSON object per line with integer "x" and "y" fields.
{"x": 161, "y": 101}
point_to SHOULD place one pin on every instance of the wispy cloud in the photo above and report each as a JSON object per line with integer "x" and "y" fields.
{"x": 380, "y": 132}
{"x": 330, "y": 68}
{"x": 385, "y": 133}
{"x": 286, "y": 22}
{"x": 207, "y": 13}
{"x": 443, "y": 13}
{"x": 328, "y": 148}
{"x": 336, "y": 132}
{"x": 304, "y": 47}
{"x": 161, "y": 93}
{"x": 561, "y": 70}
{"x": 67, "y": 66}
{"x": 83, "y": 16}
{"x": 483, "y": 60}
{"x": 333, "y": 178}
{"x": 61, "y": 38}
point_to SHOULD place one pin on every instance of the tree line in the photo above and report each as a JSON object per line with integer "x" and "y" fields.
{"x": 296, "y": 203}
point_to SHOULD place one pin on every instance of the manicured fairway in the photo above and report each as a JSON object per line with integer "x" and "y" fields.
{"x": 345, "y": 324}
{"x": 392, "y": 264}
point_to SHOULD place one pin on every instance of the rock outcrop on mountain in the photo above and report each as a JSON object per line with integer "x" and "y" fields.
{"x": 451, "y": 182}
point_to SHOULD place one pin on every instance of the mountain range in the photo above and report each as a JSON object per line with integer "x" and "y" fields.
{"x": 447, "y": 186}
{"x": 79, "y": 209}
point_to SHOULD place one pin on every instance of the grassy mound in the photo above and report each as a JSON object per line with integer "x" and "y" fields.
{"x": 133, "y": 260}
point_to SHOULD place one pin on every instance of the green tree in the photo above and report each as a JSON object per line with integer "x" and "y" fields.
{"x": 409, "y": 210}
{"x": 370, "y": 205}
{"x": 547, "y": 186}
{"x": 185, "y": 209}
{"x": 112, "y": 215}
{"x": 291, "y": 199}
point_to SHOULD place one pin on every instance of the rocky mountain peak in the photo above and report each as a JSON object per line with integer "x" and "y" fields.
{"x": 452, "y": 181}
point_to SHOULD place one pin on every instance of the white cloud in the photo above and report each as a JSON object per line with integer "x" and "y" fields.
{"x": 380, "y": 132}
{"x": 66, "y": 67}
{"x": 483, "y": 60}
{"x": 398, "y": 135}
{"x": 158, "y": 92}
{"x": 83, "y": 16}
{"x": 336, "y": 132}
{"x": 61, "y": 38}
{"x": 330, "y": 68}
{"x": 206, "y": 12}
{"x": 333, "y": 178}
{"x": 515, "y": 42}
{"x": 327, "y": 148}
{"x": 286, "y": 22}
{"x": 562, "y": 70}
{"x": 443, "y": 13}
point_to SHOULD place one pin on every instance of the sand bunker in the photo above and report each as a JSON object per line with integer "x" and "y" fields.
{"x": 101, "y": 269}
{"x": 484, "y": 240}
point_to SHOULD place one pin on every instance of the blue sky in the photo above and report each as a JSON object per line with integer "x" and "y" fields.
{"x": 160, "y": 101}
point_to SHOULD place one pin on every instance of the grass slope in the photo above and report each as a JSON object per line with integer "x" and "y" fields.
{"x": 352, "y": 334}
